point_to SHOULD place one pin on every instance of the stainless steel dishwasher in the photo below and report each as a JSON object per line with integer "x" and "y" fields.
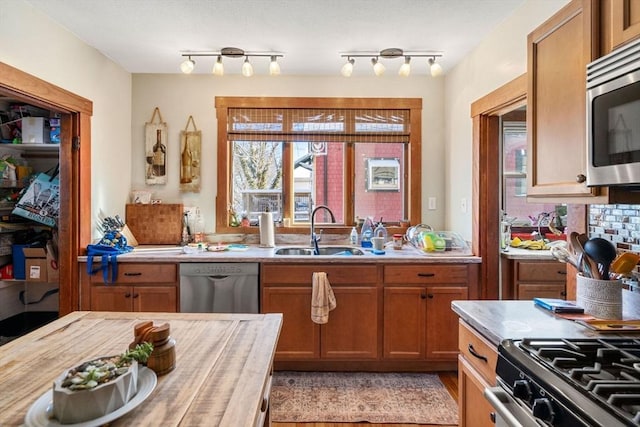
{"x": 221, "y": 287}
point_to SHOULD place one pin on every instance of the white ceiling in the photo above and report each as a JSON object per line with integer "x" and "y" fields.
{"x": 148, "y": 36}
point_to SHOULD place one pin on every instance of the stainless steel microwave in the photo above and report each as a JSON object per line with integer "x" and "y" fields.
{"x": 613, "y": 118}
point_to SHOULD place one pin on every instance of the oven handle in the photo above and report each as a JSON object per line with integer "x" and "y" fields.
{"x": 475, "y": 354}
{"x": 499, "y": 399}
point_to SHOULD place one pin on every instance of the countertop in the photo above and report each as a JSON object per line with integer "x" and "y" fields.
{"x": 254, "y": 253}
{"x": 223, "y": 365}
{"x": 527, "y": 254}
{"x": 499, "y": 320}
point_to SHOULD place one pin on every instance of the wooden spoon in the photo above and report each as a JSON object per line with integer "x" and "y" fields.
{"x": 587, "y": 266}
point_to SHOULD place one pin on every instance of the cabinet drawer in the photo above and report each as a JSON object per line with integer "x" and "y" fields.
{"x": 531, "y": 291}
{"x": 300, "y": 274}
{"x": 140, "y": 273}
{"x": 425, "y": 274}
{"x": 552, "y": 271}
{"x": 478, "y": 352}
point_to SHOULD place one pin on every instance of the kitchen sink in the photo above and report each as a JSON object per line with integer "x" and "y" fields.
{"x": 323, "y": 250}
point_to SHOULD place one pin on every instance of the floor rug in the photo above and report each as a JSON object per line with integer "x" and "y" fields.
{"x": 357, "y": 396}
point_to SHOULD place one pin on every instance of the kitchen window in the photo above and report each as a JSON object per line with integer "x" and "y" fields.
{"x": 358, "y": 156}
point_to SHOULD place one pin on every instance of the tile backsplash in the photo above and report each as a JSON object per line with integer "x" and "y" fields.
{"x": 618, "y": 223}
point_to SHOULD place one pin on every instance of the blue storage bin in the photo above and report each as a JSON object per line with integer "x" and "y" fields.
{"x": 19, "y": 271}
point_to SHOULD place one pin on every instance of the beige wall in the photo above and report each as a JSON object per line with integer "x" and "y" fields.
{"x": 179, "y": 96}
{"x": 498, "y": 59}
{"x": 32, "y": 43}
{"x": 123, "y": 103}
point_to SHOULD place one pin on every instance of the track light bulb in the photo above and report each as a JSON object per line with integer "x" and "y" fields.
{"x": 436, "y": 69}
{"x": 218, "y": 68}
{"x": 378, "y": 67}
{"x": 405, "y": 69}
{"x": 274, "y": 67}
{"x": 187, "y": 65}
{"x": 247, "y": 68}
{"x": 347, "y": 68}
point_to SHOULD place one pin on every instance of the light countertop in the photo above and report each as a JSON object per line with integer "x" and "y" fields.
{"x": 527, "y": 254}
{"x": 254, "y": 253}
{"x": 499, "y": 320}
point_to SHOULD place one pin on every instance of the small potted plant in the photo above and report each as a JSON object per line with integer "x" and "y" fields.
{"x": 99, "y": 386}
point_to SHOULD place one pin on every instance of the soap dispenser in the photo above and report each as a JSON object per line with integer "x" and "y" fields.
{"x": 353, "y": 237}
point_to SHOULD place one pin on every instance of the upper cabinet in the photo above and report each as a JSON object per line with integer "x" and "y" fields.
{"x": 558, "y": 52}
{"x": 620, "y": 23}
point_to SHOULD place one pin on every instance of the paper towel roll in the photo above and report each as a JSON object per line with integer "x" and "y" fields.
{"x": 267, "y": 232}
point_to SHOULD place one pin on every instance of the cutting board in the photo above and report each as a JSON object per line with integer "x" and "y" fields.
{"x": 159, "y": 224}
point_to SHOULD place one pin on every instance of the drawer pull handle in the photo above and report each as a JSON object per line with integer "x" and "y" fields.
{"x": 564, "y": 273}
{"x": 423, "y": 296}
{"x": 426, "y": 274}
{"x": 475, "y": 354}
{"x": 136, "y": 295}
{"x": 133, "y": 274}
{"x": 430, "y": 296}
{"x": 127, "y": 295}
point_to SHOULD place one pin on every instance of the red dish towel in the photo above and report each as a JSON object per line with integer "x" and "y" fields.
{"x": 322, "y": 298}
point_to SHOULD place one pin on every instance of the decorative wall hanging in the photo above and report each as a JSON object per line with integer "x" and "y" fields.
{"x": 190, "y": 155}
{"x": 155, "y": 140}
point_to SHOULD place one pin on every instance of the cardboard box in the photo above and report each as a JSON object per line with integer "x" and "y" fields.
{"x": 35, "y": 264}
{"x": 35, "y": 130}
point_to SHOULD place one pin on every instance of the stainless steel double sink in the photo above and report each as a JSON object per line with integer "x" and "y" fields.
{"x": 323, "y": 250}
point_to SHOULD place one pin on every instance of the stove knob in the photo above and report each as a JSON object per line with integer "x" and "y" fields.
{"x": 522, "y": 390}
{"x": 543, "y": 409}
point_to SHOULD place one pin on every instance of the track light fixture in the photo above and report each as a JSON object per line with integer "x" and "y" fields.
{"x": 391, "y": 53}
{"x": 435, "y": 68}
{"x": 347, "y": 68}
{"x": 405, "y": 69}
{"x": 188, "y": 65}
{"x": 378, "y": 67}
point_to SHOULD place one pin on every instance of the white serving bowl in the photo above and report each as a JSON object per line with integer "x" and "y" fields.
{"x": 76, "y": 406}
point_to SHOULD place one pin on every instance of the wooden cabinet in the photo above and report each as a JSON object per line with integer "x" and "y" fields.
{"x": 620, "y": 23}
{"x": 138, "y": 287}
{"x": 476, "y": 370}
{"x": 418, "y": 320}
{"x": 558, "y": 52}
{"x": 530, "y": 279}
{"x": 352, "y": 330}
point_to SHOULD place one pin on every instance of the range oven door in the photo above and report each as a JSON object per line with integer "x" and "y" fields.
{"x": 508, "y": 412}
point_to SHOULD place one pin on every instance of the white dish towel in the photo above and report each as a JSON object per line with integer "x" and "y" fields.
{"x": 322, "y": 298}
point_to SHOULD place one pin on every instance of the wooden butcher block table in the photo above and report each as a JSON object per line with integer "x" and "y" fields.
{"x": 222, "y": 374}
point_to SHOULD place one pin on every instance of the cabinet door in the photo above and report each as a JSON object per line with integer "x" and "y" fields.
{"x": 352, "y": 330}
{"x": 473, "y": 409}
{"x": 625, "y": 21}
{"x": 299, "y": 337}
{"x": 442, "y": 322}
{"x": 154, "y": 299}
{"x": 530, "y": 291}
{"x": 111, "y": 298}
{"x": 404, "y": 322}
{"x": 558, "y": 52}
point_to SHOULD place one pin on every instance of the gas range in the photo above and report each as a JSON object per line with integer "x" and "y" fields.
{"x": 573, "y": 382}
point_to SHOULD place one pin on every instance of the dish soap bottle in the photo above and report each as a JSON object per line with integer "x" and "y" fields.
{"x": 366, "y": 234}
{"x": 353, "y": 237}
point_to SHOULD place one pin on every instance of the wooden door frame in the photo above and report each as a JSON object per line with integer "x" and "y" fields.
{"x": 74, "y": 225}
{"x": 485, "y": 113}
